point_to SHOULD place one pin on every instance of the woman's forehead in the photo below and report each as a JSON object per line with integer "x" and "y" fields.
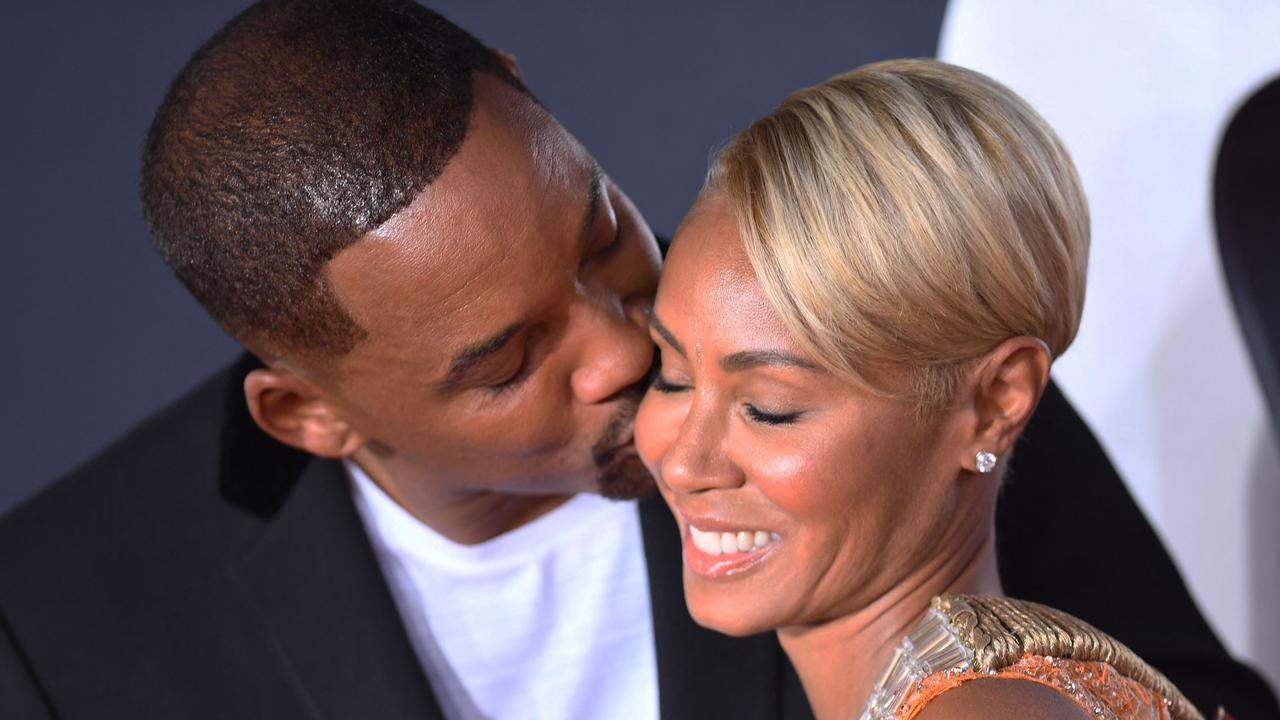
{"x": 709, "y": 290}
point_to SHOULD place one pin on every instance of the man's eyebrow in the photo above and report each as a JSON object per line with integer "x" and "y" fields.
{"x": 748, "y": 359}
{"x": 595, "y": 177}
{"x": 666, "y": 334}
{"x": 471, "y": 356}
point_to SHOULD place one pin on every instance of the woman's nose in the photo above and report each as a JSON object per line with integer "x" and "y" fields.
{"x": 697, "y": 460}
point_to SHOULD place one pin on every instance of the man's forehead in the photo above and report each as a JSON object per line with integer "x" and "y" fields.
{"x": 516, "y": 167}
{"x": 509, "y": 206}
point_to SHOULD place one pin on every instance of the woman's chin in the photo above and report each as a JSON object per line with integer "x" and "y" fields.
{"x": 726, "y": 611}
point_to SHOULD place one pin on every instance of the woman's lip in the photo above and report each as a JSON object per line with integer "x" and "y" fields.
{"x": 723, "y": 566}
{"x": 714, "y": 524}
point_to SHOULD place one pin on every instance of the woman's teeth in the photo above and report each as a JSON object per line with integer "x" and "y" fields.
{"x": 714, "y": 543}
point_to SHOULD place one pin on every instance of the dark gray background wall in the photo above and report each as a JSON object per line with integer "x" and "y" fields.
{"x": 98, "y": 335}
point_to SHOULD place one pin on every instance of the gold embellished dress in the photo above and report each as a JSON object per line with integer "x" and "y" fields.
{"x": 968, "y": 637}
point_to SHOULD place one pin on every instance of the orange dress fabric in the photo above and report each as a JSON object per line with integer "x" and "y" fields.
{"x": 1099, "y": 689}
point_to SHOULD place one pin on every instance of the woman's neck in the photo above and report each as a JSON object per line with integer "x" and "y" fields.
{"x": 839, "y": 661}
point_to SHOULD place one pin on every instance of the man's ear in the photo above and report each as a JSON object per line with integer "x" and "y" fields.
{"x": 510, "y": 61}
{"x": 1009, "y": 384}
{"x": 294, "y": 412}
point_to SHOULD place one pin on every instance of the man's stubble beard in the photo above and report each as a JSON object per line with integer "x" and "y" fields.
{"x": 626, "y": 479}
{"x": 622, "y": 475}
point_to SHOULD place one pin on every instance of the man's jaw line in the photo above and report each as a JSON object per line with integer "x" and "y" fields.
{"x": 472, "y": 515}
{"x": 466, "y": 515}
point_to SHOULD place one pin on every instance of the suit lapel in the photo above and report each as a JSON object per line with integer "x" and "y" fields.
{"x": 316, "y": 583}
{"x": 314, "y": 580}
{"x": 702, "y": 673}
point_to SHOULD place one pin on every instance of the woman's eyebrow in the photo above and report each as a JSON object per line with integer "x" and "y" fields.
{"x": 666, "y": 334}
{"x": 748, "y": 359}
{"x": 738, "y": 361}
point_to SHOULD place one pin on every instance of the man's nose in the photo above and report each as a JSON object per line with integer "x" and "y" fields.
{"x": 616, "y": 349}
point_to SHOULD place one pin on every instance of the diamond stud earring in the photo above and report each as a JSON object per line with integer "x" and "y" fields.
{"x": 985, "y": 461}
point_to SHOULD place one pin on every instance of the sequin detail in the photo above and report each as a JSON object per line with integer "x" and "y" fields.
{"x": 969, "y": 637}
{"x": 934, "y": 648}
{"x": 1100, "y": 690}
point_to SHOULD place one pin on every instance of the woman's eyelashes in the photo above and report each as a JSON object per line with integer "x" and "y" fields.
{"x": 663, "y": 385}
{"x": 753, "y": 413}
{"x": 771, "y": 418}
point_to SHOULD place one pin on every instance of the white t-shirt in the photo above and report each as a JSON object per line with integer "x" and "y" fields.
{"x": 550, "y": 620}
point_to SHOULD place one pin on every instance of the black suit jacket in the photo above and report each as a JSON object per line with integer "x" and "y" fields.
{"x": 198, "y": 569}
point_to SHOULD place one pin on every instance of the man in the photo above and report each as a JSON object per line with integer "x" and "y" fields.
{"x": 392, "y": 507}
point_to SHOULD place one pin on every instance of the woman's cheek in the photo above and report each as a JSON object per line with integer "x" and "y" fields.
{"x": 657, "y": 422}
{"x": 784, "y": 471}
{"x": 780, "y": 470}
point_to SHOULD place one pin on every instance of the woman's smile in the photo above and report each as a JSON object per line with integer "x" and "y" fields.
{"x": 717, "y": 549}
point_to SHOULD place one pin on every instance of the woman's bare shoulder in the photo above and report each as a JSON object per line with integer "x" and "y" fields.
{"x": 1002, "y": 699}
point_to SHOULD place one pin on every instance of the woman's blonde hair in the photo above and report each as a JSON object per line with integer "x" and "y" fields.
{"x": 910, "y": 213}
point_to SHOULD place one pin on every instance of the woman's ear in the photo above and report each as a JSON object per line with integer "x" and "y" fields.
{"x": 1010, "y": 382}
{"x": 510, "y": 61}
{"x": 294, "y": 412}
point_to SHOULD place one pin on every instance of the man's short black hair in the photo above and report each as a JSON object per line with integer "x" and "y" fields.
{"x": 296, "y": 129}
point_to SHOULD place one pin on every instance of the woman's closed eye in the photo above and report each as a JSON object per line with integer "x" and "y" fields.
{"x": 663, "y": 385}
{"x": 766, "y": 417}
{"x": 753, "y": 413}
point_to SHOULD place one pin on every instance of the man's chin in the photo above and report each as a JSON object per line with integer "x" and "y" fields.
{"x": 626, "y": 478}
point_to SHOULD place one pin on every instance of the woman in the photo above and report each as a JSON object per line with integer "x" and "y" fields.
{"x": 856, "y": 321}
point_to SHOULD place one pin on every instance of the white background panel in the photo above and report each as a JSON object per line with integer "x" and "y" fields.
{"x": 1141, "y": 92}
